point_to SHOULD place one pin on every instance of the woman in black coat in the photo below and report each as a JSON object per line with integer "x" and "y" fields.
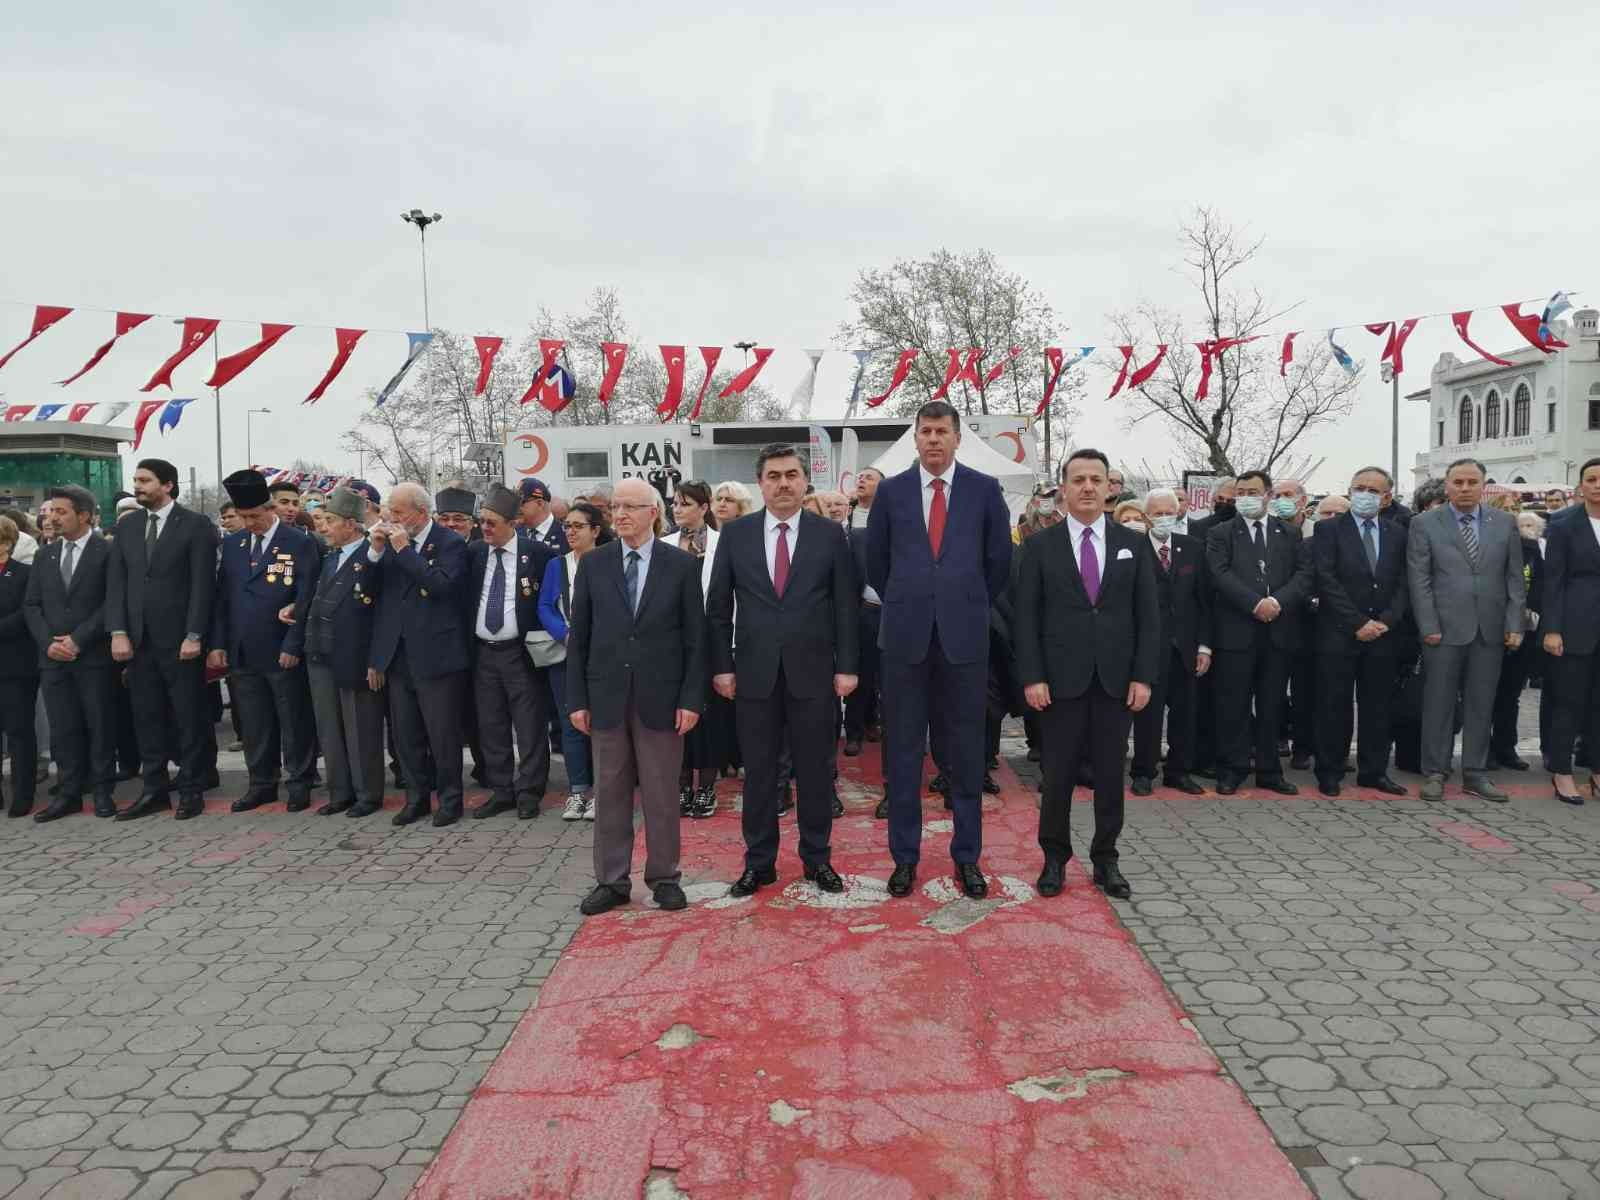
{"x": 19, "y": 674}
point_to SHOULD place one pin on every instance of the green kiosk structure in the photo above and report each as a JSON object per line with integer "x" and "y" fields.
{"x": 38, "y": 455}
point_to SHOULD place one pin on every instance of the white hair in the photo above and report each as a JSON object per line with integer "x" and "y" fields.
{"x": 413, "y": 495}
{"x": 1161, "y": 493}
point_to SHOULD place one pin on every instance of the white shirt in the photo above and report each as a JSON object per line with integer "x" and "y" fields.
{"x": 161, "y": 514}
{"x": 508, "y": 605}
{"x": 541, "y": 531}
{"x": 643, "y": 550}
{"x": 373, "y": 555}
{"x": 77, "y": 555}
{"x": 862, "y": 513}
{"x": 266, "y": 538}
{"x": 1594, "y": 523}
{"x": 772, "y": 521}
{"x": 927, "y": 488}
{"x": 1098, "y": 536}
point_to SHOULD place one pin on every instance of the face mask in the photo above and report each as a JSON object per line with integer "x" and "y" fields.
{"x": 1251, "y": 507}
{"x": 1164, "y": 526}
{"x": 1365, "y": 504}
{"x": 1224, "y": 509}
{"x": 1282, "y": 507}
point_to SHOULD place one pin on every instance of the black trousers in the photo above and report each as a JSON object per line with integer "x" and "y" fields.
{"x": 83, "y": 727}
{"x": 129, "y": 756}
{"x": 275, "y": 711}
{"x": 1203, "y": 755}
{"x": 1514, "y": 671}
{"x": 807, "y": 724}
{"x": 1245, "y": 678}
{"x": 511, "y": 699}
{"x": 17, "y": 700}
{"x": 861, "y": 706}
{"x": 427, "y": 729}
{"x": 1172, "y": 697}
{"x": 1577, "y": 706}
{"x": 1303, "y": 683}
{"x": 1368, "y": 676}
{"x": 1093, "y": 726}
{"x": 169, "y": 706}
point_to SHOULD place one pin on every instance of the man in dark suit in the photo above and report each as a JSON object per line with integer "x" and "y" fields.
{"x": 1088, "y": 644}
{"x": 1260, "y": 573}
{"x": 346, "y": 695}
{"x": 1360, "y": 561}
{"x": 1185, "y": 654}
{"x": 159, "y": 591}
{"x": 938, "y": 552}
{"x": 501, "y": 608}
{"x": 787, "y": 575}
{"x": 265, "y": 578}
{"x": 861, "y": 709}
{"x": 636, "y": 682}
{"x": 64, "y": 607}
{"x": 420, "y": 649}
{"x": 1204, "y": 761}
{"x": 19, "y": 674}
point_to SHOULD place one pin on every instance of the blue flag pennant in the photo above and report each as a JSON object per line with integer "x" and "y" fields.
{"x": 171, "y": 414}
{"x": 47, "y": 411}
{"x": 418, "y": 344}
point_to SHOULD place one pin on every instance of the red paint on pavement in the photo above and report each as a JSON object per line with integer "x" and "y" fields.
{"x": 1572, "y": 887}
{"x": 127, "y": 911}
{"x": 773, "y": 1048}
{"x": 1475, "y": 838}
{"x": 233, "y": 851}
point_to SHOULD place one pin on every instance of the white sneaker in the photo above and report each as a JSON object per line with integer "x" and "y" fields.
{"x": 588, "y": 808}
{"x": 574, "y": 809}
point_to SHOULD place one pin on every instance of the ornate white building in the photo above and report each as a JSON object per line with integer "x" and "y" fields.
{"x": 1533, "y": 422}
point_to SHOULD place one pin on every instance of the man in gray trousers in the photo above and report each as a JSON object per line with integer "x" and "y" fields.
{"x": 1464, "y": 564}
{"x": 636, "y": 682}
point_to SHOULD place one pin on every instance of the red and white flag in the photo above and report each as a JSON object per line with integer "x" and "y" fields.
{"x": 902, "y": 370}
{"x": 147, "y": 409}
{"x": 227, "y": 368}
{"x": 746, "y": 377}
{"x": 616, "y": 355}
{"x": 548, "y": 349}
{"x": 345, "y": 340}
{"x": 709, "y": 355}
{"x": 999, "y": 368}
{"x": 195, "y": 332}
{"x": 962, "y": 367}
{"x": 672, "y": 358}
{"x": 488, "y": 347}
{"x": 78, "y": 412}
{"x": 126, "y": 321}
{"x": 44, "y": 316}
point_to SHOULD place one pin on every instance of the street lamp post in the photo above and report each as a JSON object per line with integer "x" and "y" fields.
{"x": 1387, "y": 371}
{"x": 422, "y": 220}
{"x": 250, "y": 458}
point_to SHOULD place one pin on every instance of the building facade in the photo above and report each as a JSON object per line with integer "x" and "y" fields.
{"x": 1534, "y": 422}
{"x": 36, "y": 456}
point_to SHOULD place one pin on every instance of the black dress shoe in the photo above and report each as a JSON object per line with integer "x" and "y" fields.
{"x": 362, "y": 808}
{"x": 254, "y": 798}
{"x": 298, "y": 801}
{"x": 146, "y": 805}
{"x": 213, "y": 780}
{"x": 1033, "y": 754}
{"x": 602, "y": 899}
{"x": 1110, "y": 881}
{"x": 825, "y": 877}
{"x": 751, "y": 882}
{"x": 881, "y": 812}
{"x": 1277, "y": 784}
{"x": 528, "y": 807}
{"x": 189, "y": 807}
{"x": 1141, "y": 786}
{"x": 852, "y": 747}
{"x": 786, "y": 801}
{"x": 448, "y": 814}
{"x": 414, "y": 810}
{"x": 334, "y": 807}
{"x": 19, "y": 810}
{"x": 493, "y": 806}
{"x": 670, "y": 897}
{"x": 990, "y": 787}
{"x": 1300, "y": 762}
{"x": 1329, "y": 787}
{"x": 1184, "y": 784}
{"x": 1206, "y": 772}
{"x": 105, "y": 806}
{"x": 57, "y": 809}
{"x": 1511, "y": 762}
{"x": 902, "y": 878}
{"x": 970, "y": 877}
{"x": 838, "y": 805}
{"x": 1383, "y": 784}
{"x": 1053, "y": 878}
{"x": 1227, "y": 785}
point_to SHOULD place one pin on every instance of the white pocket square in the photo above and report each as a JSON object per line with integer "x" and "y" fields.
{"x": 1124, "y": 553}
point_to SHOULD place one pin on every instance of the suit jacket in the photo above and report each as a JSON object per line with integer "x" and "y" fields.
{"x": 163, "y": 598}
{"x": 811, "y": 630}
{"x": 342, "y": 615}
{"x": 51, "y": 608}
{"x": 953, "y": 591}
{"x": 1450, "y": 595}
{"x": 1352, "y": 593}
{"x": 556, "y": 539}
{"x": 524, "y": 573}
{"x": 1062, "y": 639}
{"x": 244, "y": 619}
{"x": 19, "y": 655}
{"x": 1396, "y": 512}
{"x": 713, "y": 536}
{"x": 1572, "y": 585}
{"x": 1238, "y": 586}
{"x": 422, "y": 603}
{"x": 657, "y": 653}
{"x": 1184, "y": 599}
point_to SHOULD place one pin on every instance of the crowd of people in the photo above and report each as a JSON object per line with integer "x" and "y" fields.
{"x": 659, "y": 647}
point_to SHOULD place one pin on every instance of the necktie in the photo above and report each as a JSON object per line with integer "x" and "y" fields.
{"x": 67, "y": 551}
{"x": 780, "y": 560}
{"x": 630, "y": 581}
{"x": 255, "y": 550}
{"x": 1469, "y": 535}
{"x": 936, "y": 518}
{"x": 1166, "y": 557}
{"x": 151, "y": 531}
{"x": 1370, "y": 538}
{"x": 494, "y": 613}
{"x": 1089, "y": 567}
{"x": 330, "y": 571}
{"x": 1260, "y": 539}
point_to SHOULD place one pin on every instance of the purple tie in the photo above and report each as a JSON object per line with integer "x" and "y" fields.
{"x": 1089, "y": 567}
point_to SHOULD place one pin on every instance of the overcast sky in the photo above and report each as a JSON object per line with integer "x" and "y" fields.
{"x": 729, "y": 175}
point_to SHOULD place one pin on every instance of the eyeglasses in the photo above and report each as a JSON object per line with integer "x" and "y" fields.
{"x": 633, "y": 507}
{"x": 576, "y": 526}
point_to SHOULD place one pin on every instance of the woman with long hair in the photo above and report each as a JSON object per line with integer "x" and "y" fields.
{"x": 584, "y": 527}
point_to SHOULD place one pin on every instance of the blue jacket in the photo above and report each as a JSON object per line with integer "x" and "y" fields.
{"x": 553, "y": 606}
{"x": 421, "y": 603}
{"x": 342, "y": 614}
{"x": 953, "y": 591}
{"x": 524, "y": 574}
{"x": 244, "y": 616}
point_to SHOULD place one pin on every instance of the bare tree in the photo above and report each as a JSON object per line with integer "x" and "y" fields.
{"x": 1251, "y": 416}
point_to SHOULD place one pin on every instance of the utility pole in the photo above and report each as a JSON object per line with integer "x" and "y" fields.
{"x": 1393, "y": 380}
{"x": 422, "y": 220}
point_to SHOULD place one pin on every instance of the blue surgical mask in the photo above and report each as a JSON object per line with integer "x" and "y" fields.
{"x": 1250, "y": 507}
{"x": 1365, "y": 504}
{"x": 1282, "y": 507}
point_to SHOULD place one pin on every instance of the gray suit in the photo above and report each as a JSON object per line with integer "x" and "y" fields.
{"x": 1472, "y": 606}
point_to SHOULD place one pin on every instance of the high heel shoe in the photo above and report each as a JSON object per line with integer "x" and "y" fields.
{"x": 1576, "y": 797}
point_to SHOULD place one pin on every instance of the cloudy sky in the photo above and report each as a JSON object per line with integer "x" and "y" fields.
{"x": 730, "y": 173}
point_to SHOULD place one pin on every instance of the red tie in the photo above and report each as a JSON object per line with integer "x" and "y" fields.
{"x": 780, "y": 560}
{"x": 1166, "y": 557}
{"x": 936, "y": 518}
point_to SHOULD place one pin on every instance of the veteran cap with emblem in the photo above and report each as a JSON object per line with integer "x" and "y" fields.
{"x": 532, "y": 488}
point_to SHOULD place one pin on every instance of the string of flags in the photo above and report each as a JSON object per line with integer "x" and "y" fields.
{"x": 171, "y": 413}
{"x": 554, "y": 384}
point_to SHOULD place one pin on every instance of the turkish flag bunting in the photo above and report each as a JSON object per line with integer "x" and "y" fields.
{"x": 44, "y": 316}
{"x": 962, "y": 368}
{"x": 616, "y": 354}
{"x": 78, "y": 412}
{"x": 17, "y": 412}
{"x": 1210, "y": 355}
{"x": 709, "y": 354}
{"x": 1057, "y": 364}
{"x": 346, "y": 340}
{"x": 672, "y": 356}
{"x": 488, "y": 347}
{"x": 1142, "y": 376}
{"x": 1122, "y": 375}
{"x": 747, "y": 376}
{"x": 1286, "y": 355}
{"x": 902, "y": 368}
{"x": 548, "y": 349}
{"x": 147, "y": 409}
{"x": 1461, "y": 320}
{"x": 999, "y": 368}
{"x": 1527, "y": 326}
{"x": 125, "y": 321}
{"x": 1394, "y": 348}
{"x": 195, "y": 332}
{"x": 227, "y": 368}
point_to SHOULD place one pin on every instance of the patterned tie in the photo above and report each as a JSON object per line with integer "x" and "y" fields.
{"x": 1089, "y": 567}
{"x": 1165, "y": 554}
{"x": 494, "y": 613}
{"x": 151, "y": 531}
{"x": 67, "y": 551}
{"x": 630, "y": 581}
{"x": 255, "y": 551}
{"x": 1469, "y": 535}
{"x": 780, "y": 560}
{"x": 1260, "y": 540}
{"x": 1369, "y": 536}
{"x": 936, "y": 515}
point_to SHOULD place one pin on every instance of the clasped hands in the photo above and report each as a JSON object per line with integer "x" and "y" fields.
{"x": 1038, "y": 696}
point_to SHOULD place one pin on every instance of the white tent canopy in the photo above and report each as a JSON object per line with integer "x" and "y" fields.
{"x": 1016, "y": 481}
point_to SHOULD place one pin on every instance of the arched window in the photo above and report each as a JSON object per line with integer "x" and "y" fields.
{"x": 1522, "y": 412}
{"x": 1466, "y": 420}
{"x": 1491, "y": 415}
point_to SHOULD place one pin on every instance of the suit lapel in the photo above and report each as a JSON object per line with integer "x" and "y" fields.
{"x": 652, "y": 579}
{"x": 1071, "y": 566}
{"x": 755, "y": 553}
{"x": 83, "y": 557}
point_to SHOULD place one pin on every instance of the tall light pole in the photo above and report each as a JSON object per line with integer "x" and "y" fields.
{"x": 249, "y": 455}
{"x": 1388, "y": 373}
{"x": 422, "y": 220}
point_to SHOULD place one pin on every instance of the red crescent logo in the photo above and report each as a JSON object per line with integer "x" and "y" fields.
{"x": 532, "y": 441}
{"x": 1020, "y": 455}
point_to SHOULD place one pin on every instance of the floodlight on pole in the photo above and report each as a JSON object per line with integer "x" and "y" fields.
{"x": 422, "y": 220}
